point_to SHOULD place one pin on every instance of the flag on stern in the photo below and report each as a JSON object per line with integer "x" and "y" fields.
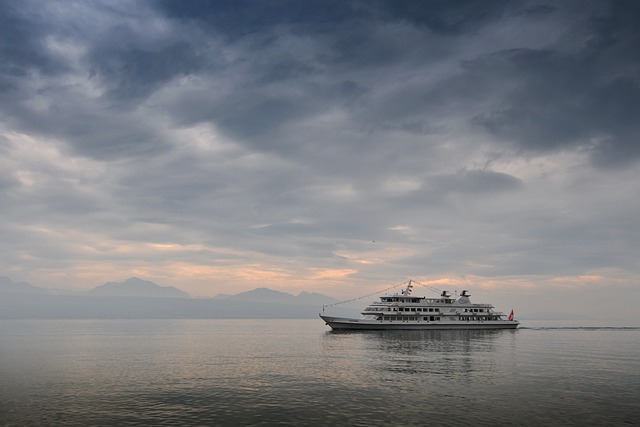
{"x": 511, "y": 315}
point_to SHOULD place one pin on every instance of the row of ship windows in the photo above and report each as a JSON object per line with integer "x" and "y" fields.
{"x": 434, "y": 318}
{"x": 396, "y": 299}
{"x": 417, "y": 300}
{"x": 405, "y": 309}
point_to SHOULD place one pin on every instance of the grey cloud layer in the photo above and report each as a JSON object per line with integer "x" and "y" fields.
{"x": 303, "y": 128}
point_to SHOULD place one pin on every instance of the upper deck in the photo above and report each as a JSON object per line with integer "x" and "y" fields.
{"x": 445, "y": 299}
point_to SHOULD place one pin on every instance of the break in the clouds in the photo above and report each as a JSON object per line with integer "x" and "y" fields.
{"x": 319, "y": 145}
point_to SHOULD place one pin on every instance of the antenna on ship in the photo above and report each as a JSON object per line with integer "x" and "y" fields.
{"x": 407, "y": 290}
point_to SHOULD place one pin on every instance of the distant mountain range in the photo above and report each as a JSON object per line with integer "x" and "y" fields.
{"x": 266, "y": 295}
{"x": 9, "y": 286}
{"x": 134, "y": 287}
{"x": 137, "y": 298}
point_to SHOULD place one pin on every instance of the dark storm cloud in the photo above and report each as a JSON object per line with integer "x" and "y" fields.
{"x": 133, "y": 72}
{"x": 449, "y": 17}
{"x": 88, "y": 101}
{"x": 237, "y": 19}
{"x": 586, "y": 98}
{"x": 552, "y": 92}
{"x": 21, "y": 44}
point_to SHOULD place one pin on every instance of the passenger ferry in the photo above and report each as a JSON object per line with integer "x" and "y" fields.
{"x": 405, "y": 311}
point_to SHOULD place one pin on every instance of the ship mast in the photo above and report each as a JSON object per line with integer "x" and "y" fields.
{"x": 408, "y": 289}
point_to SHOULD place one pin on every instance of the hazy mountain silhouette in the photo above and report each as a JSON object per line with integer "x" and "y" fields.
{"x": 266, "y": 296}
{"x": 9, "y": 286}
{"x": 263, "y": 295}
{"x": 142, "y": 299}
{"x": 134, "y": 287}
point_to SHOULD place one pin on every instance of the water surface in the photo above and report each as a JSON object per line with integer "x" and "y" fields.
{"x": 297, "y": 372}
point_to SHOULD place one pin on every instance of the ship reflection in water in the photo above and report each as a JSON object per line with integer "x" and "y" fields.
{"x": 442, "y": 353}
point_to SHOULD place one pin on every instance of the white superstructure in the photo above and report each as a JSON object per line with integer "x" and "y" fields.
{"x": 406, "y": 311}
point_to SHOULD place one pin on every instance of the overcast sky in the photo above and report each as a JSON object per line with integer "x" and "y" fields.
{"x": 331, "y": 146}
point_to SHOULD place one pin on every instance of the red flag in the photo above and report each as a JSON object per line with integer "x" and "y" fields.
{"x": 511, "y": 315}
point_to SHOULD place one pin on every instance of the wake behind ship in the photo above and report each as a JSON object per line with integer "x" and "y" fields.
{"x": 405, "y": 311}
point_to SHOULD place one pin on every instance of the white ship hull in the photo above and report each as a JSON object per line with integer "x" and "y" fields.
{"x": 344, "y": 323}
{"x": 404, "y": 311}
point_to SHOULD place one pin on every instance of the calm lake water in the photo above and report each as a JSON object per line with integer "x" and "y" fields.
{"x": 297, "y": 372}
